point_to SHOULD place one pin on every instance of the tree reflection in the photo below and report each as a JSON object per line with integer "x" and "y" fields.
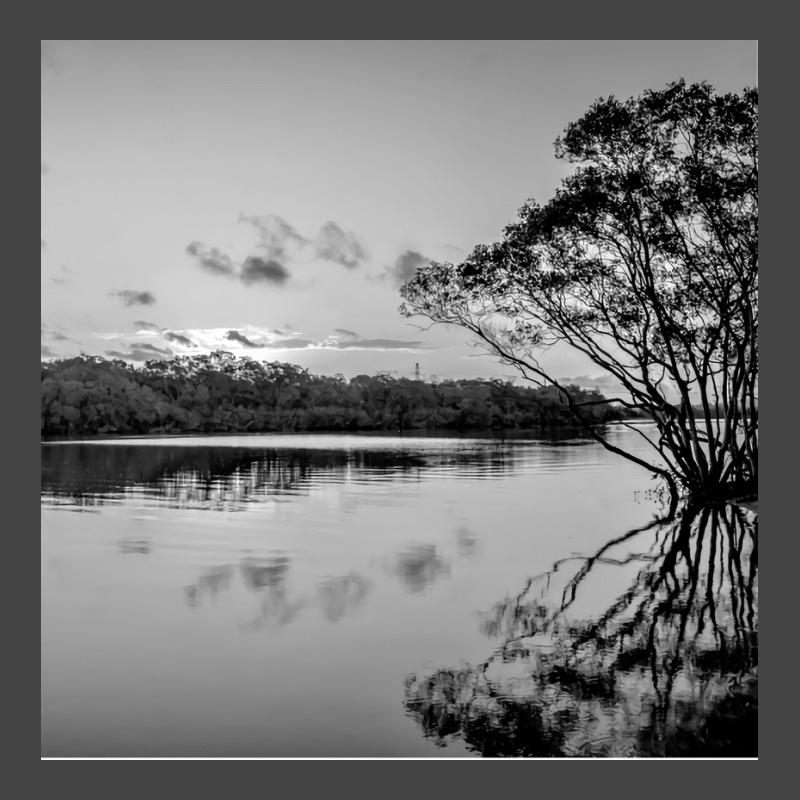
{"x": 83, "y": 475}
{"x": 668, "y": 670}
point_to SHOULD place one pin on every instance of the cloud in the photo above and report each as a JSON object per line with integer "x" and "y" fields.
{"x": 45, "y": 169}
{"x": 276, "y": 235}
{"x": 278, "y": 243}
{"x": 151, "y": 348}
{"x": 235, "y": 336}
{"x": 346, "y": 332}
{"x": 254, "y": 270}
{"x": 297, "y": 343}
{"x": 141, "y": 325}
{"x": 245, "y": 339}
{"x": 381, "y": 344}
{"x": 293, "y": 344}
{"x": 44, "y": 244}
{"x": 259, "y": 270}
{"x": 176, "y": 337}
{"x": 52, "y": 334}
{"x": 333, "y": 244}
{"x": 48, "y": 352}
{"x": 132, "y": 298}
{"x": 213, "y": 260}
{"x": 405, "y": 267}
{"x": 140, "y": 352}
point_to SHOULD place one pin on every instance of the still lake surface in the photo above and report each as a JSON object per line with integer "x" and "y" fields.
{"x": 331, "y": 596}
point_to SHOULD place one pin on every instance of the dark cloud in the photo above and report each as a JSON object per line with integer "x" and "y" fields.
{"x": 153, "y": 349}
{"x": 276, "y": 235}
{"x": 48, "y": 352}
{"x": 235, "y": 336}
{"x": 45, "y": 169}
{"x": 254, "y": 270}
{"x": 405, "y": 267}
{"x": 131, "y": 298}
{"x": 44, "y": 244}
{"x": 177, "y": 337}
{"x": 333, "y": 244}
{"x": 267, "y": 263}
{"x": 140, "y": 352}
{"x": 141, "y": 325}
{"x": 259, "y": 270}
{"x": 345, "y": 332}
{"x": 381, "y": 344}
{"x": 292, "y": 344}
{"x": 213, "y": 260}
{"x": 59, "y": 337}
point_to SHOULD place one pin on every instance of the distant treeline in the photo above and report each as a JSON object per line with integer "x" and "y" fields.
{"x": 218, "y": 393}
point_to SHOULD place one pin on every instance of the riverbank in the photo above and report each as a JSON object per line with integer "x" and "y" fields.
{"x": 220, "y": 393}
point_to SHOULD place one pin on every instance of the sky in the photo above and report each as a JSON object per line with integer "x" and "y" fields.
{"x": 268, "y": 198}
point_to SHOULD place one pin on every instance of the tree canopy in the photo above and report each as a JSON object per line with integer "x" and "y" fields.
{"x": 218, "y": 392}
{"x": 646, "y": 261}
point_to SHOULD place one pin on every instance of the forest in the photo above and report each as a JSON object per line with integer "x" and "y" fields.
{"x": 222, "y": 393}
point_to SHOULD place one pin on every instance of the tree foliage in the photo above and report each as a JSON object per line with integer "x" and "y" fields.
{"x": 219, "y": 392}
{"x": 646, "y": 261}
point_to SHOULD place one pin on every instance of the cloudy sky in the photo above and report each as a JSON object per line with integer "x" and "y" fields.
{"x": 268, "y": 198}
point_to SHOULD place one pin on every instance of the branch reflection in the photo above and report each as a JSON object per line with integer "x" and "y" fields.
{"x": 670, "y": 669}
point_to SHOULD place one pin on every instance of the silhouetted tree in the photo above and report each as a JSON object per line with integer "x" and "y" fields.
{"x": 646, "y": 261}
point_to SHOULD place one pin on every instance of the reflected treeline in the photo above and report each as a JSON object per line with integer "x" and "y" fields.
{"x": 267, "y": 579}
{"x": 86, "y": 474}
{"x": 668, "y": 670}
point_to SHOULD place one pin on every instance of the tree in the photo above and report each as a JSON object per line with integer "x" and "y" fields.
{"x": 646, "y": 261}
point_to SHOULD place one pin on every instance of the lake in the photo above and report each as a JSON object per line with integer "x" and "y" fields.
{"x": 387, "y": 596}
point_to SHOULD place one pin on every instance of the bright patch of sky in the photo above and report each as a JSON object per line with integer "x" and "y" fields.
{"x": 268, "y": 198}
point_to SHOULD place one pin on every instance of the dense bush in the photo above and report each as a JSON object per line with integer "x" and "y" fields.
{"x": 216, "y": 393}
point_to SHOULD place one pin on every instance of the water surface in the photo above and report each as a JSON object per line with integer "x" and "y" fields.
{"x": 303, "y": 596}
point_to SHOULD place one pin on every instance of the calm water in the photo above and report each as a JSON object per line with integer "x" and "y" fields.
{"x": 374, "y": 596}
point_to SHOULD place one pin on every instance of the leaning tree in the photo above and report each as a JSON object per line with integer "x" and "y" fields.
{"x": 646, "y": 261}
